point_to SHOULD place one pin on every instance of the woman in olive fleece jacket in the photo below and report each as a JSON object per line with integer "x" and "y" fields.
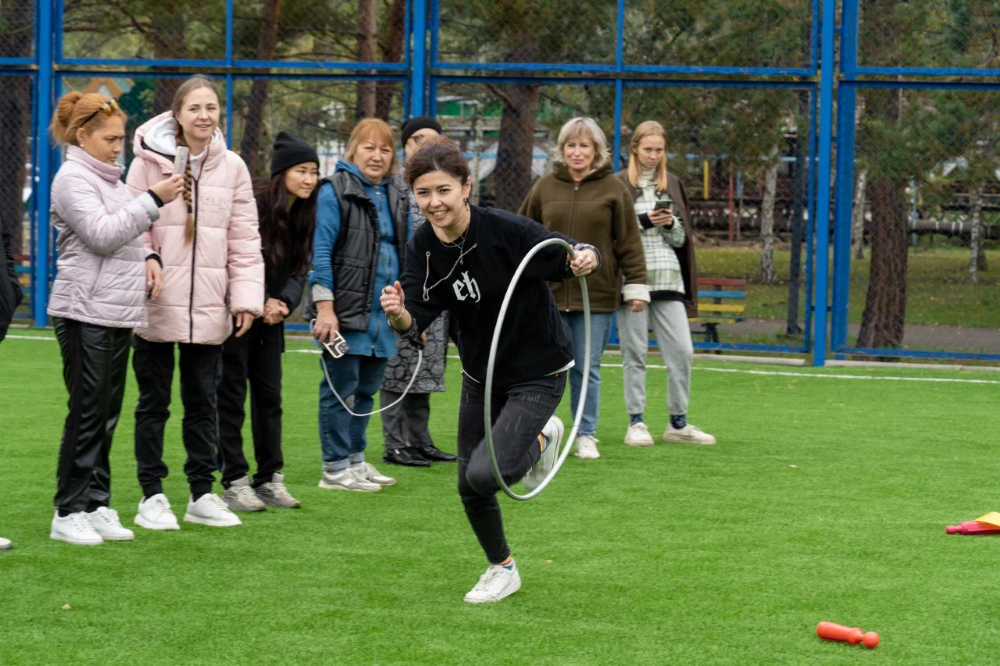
{"x": 583, "y": 200}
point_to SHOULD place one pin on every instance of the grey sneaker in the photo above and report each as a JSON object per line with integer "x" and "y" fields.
{"x": 553, "y": 432}
{"x": 274, "y": 493}
{"x": 367, "y": 471}
{"x": 239, "y": 496}
{"x": 347, "y": 479}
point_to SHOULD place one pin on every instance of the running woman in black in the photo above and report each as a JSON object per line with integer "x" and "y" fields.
{"x": 463, "y": 262}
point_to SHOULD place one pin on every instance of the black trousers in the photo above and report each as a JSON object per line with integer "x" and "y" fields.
{"x": 519, "y": 413}
{"x": 201, "y": 370}
{"x": 255, "y": 357}
{"x": 406, "y": 423}
{"x": 95, "y": 366}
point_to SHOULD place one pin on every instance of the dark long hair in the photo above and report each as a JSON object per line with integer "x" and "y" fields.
{"x": 286, "y": 234}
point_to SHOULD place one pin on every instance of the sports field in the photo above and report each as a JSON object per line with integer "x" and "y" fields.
{"x": 825, "y": 499}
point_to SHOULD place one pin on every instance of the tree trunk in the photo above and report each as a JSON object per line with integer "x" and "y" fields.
{"x": 976, "y": 240}
{"x": 798, "y": 221}
{"x": 367, "y": 45}
{"x": 882, "y": 323}
{"x": 768, "y": 274}
{"x": 167, "y": 40}
{"x": 512, "y": 175}
{"x": 392, "y": 51}
{"x": 254, "y": 123}
{"x": 858, "y": 216}
{"x": 15, "y": 126}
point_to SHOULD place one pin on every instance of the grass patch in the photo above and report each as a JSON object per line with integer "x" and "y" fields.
{"x": 672, "y": 554}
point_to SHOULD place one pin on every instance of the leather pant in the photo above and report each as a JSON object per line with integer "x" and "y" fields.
{"x": 95, "y": 366}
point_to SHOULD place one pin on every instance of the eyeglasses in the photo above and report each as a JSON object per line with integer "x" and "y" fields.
{"x": 108, "y": 108}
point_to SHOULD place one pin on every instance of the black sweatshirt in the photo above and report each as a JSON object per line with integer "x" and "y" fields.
{"x": 534, "y": 340}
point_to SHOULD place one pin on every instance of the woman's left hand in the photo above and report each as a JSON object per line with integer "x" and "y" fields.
{"x": 584, "y": 264}
{"x": 154, "y": 279}
{"x": 244, "y": 320}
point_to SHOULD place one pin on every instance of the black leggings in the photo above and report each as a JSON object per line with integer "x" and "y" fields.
{"x": 519, "y": 413}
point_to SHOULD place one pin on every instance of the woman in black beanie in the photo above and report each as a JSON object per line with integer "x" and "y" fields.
{"x": 286, "y": 205}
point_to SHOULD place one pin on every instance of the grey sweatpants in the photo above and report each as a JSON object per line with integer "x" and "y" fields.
{"x": 670, "y": 326}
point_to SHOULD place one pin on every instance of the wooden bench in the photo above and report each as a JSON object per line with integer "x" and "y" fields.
{"x": 720, "y": 301}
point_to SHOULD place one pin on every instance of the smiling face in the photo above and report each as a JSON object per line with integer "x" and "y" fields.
{"x": 199, "y": 116}
{"x": 441, "y": 198}
{"x": 106, "y": 143}
{"x": 651, "y": 151}
{"x": 301, "y": 179}
{"x": 579, "y": 152}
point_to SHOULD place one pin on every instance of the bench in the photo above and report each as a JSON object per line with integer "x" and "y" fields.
{"x": 720, "y": 301}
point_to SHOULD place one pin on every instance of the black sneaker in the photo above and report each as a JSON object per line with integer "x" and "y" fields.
{"x": 405, "y": 456}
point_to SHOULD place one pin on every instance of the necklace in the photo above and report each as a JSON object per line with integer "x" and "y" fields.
{"x": 460, "y": 260}
{"x": 458, "y": 245}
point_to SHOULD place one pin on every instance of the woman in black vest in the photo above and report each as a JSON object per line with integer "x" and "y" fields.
{"x": 286, "y": 208}
{"x": 362, "y": 225}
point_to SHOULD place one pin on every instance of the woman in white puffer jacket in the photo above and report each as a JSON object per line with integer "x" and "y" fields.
{"x": 99, "y": 296}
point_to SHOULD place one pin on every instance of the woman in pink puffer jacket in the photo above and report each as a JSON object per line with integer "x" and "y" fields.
{"x": 213, "y": 271}
{"x": 99, "y": 295}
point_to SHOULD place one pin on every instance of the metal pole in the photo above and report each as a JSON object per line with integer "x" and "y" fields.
{"x": 229, "y": 74}
{"x": 43, "y": 166}
{"x": 822, "y": 282}
{"x": 418, "y": 75}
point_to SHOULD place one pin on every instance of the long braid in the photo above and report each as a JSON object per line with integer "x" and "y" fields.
{"x": 188, "y": 186}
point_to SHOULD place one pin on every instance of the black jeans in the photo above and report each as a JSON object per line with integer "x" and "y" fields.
{"x": 201, "y": 370}
{"x": 95, "y": 365}
{"x": 255, "y": 357}
{"x": 406, "y": 423}
{"x": 519, "y": 413}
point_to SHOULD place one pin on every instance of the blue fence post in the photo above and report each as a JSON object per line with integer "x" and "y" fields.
{"x": 619, "y": 88}
{"x": 822, "y": 264}
{"x": 418, "y": 75}
{"x": 229, "y": 74}
{"x": 43, "y": 166}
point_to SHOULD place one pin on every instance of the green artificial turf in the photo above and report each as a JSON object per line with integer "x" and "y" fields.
{"x": 825, "y": 499}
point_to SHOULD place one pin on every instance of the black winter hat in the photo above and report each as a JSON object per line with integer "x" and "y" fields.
{"x": 414, "y": 125}
{"x": 290, "y": 150}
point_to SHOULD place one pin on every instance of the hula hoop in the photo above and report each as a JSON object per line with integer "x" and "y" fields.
{"x": 329, "y": 382}
{"x": 487, "y": 415}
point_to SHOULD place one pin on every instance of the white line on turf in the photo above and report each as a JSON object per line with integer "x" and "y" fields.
{"x": 769, "y": 373}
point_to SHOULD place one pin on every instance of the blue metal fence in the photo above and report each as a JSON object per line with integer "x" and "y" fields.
{"x": 801, "y": 58}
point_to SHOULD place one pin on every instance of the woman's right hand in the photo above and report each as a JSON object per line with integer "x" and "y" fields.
{"x": 393, "y": 301}
{"x": 327, "y": 325}
{"x": 169, "y": 189}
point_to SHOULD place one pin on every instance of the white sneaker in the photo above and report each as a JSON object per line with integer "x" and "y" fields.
{"x": 367, "y": 472}
{"x": 498, "y": 582}
{"x": 155, "y": 514}
{"x": 347, "y": 479}
{"x": 105, "y": 522}
{"x": 5, "y": 544}
{"x": 638, "y": 435}
{"x": 689, "y": 434}
{"x": 274, "y": 493}
{"x": 586, "y": 447}
{"x": 75, "y": 529}
{"x": 239, "y": 496}
{"x": 212, "y": 511}
{"x": 553, "y": 433}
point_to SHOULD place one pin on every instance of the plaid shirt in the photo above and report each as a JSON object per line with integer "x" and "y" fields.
{"x": 663, "y": 270}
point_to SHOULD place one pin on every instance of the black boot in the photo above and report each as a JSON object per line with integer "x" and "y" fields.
{"x": 405, "y": 456}
{"x": 433, "y": 453}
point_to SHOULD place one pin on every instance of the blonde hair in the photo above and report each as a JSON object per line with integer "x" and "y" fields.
{"x": 648, "y": 128}
{"x": 194, "y": 83}
{"x": 366, "y": 130}
{"x": 586, "y": 128}
{"x": 77, "y": 110}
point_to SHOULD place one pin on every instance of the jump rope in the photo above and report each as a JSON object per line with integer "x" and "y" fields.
{"x": 338, "y": 348}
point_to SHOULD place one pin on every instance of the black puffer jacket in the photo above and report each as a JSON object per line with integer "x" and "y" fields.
{"x": 10, "y": 290}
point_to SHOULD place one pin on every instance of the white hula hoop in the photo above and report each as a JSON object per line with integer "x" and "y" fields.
{"x": 329, "y": 382}
{"x": 487, "y": 415}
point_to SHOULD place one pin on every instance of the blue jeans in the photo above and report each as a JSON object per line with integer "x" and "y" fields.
{"x": 342, "y": 435}
{"x": 600, "y": 333}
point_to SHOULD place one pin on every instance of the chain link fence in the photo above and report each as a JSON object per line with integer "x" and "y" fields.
{"x": 925, "y": 223}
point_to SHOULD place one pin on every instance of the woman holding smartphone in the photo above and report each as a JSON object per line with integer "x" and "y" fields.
{"x": 661, "y": 212}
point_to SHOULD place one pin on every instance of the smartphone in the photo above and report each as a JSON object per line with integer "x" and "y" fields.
{"x": 338, "y": 347}
{"x": 181, "y": 159}
{"x": 664, "y": 204}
